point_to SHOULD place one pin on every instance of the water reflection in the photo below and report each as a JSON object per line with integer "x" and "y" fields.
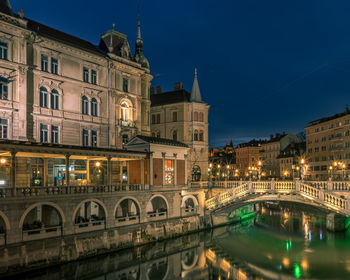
{"x": 283, "y": 241}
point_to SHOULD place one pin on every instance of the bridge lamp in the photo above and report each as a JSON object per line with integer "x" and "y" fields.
{"x": 259, "y": 163}
{"x": 219, "y": 166}
{"x": 331, "y": 167}
{"x": 335, "y": 163}
{"x": 98, "y": 164}
{"x": 228, "y": 167}
{"x": 211, "y": 165}
{"x": 298, "y": 168}
{"x": 302, "y": 161}
{"x": 3, "y": 161}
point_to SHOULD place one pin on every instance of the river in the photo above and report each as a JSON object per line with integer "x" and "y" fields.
{"x": 283, "y": 241}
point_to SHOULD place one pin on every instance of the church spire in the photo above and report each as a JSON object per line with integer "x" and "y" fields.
{"x": 5, "y": 7}
{"x": 196, "y": 93}
{"x": 139, "y": 56}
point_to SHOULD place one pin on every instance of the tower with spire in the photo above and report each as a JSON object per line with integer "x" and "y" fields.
{"x": 196, "y": 93}
{"x": 139, "y": 56}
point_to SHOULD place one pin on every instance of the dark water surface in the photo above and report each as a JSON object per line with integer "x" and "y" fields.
{"x": 284, "y": 241}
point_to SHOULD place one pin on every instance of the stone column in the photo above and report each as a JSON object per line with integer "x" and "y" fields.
{"x": 109, "y": 171}
{"x": 67, "y": 169}
{"x": 142, "y": 171}
{"x": 175, "y": 169}
{"x": 13, "y": 170}
{"x": 88, "y": 172}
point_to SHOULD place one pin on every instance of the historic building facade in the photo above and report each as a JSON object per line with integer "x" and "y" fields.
{"x": 328, "y": 147}
{"x": 59, "y": 89}
{"x": 183, "y": 116}
{"x": 247, "y": 158}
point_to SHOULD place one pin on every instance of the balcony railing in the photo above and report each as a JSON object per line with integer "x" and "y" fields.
{"x": 90, "y": 226}
{"x": 40, "y": 233}
{"x": 127, "y": 220}
{"x": 162, "y": 214}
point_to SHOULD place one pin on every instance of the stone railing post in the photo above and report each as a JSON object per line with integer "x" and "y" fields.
{"x": 330, "y": 184}
{"x": 297, "y": 185}
{"x": 250, "y": 186}
{"x": 273, "y": 185}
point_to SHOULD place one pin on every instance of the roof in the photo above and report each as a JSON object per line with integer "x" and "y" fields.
{"x": 293, "y": 149}
{"x": 252, "y": 143}
{"x": 62, "y": 37}
{"x": 161, "y": 141}
{"x": 336, "y": 116}
{"x": 5, "y": 7}
{"x": 170, "y": 97}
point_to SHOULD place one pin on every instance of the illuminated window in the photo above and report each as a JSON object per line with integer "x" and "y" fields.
{"x": 124, "y": 113}
{"x": 169, "y": 172}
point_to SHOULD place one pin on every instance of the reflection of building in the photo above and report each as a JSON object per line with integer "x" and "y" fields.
{"x": 59, "y": 89}
{"x": 327, "y": 143}
{"x": 271, "y": 149}
{"x": 290, "y": 159}
{"x": 247, "y": 155}
{"x": 181, "y": 116}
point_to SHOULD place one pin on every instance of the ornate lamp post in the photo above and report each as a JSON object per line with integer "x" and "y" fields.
{"x": 259, "y": 169}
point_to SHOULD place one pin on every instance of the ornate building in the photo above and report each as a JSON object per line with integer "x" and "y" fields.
{"x": 57, "y": 88}
{"x": 183, "y": 116}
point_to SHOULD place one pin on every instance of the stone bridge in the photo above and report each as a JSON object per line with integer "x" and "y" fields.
{"x": 35, "y": 213}
{"x": 329, "y": 195}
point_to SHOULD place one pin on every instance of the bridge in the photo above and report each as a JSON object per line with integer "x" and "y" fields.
{"x": 326, "y": 194}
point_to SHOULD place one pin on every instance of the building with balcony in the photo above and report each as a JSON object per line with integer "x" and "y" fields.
{"x": 183, "y": 116}
{"x": 328, "y": 147}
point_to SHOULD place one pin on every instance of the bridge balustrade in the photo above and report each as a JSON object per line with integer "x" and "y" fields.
{"x": 310, "y": 191}
{"x": 261, "y": 187}
{"x": 241, "y": 190}
{"x": 335, "y": 201}
{"x": 318, "y": 184}
{"x": 340, "y": 186}
{"x": 40, "y": 233}
{"x": 285, "y": 186}
{"x": 211, "y": 203}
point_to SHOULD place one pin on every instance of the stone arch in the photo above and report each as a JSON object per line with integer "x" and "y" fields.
{"x": 126, "y": 198}
{"x": 187, "y": 197}
{"x": 99, "y": 202}
{"x": 54, "y": 205}
{"x": 158, "y": 264}
{"x": 6, "y": 220}
{"x": 188, "y": 262}
{"x": 157, "y": 196}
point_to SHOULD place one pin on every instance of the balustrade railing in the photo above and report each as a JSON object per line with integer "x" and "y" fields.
{"x": 43, "y": 232}
{"x": 128, "y": 218}
{"x": 285, "y": 186}
{"x": 310, "y": 191}
{"x": 335, "y": 201}
{"x": 157, "y": 214}
{"x": 262, "y": 186}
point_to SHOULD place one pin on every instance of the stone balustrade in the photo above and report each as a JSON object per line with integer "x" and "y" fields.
{"x": 43, "y": 232}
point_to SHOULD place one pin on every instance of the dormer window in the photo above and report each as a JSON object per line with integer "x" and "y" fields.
{"x": 4, "y": 50}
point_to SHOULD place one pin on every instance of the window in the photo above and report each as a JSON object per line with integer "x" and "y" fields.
{"x": 85, "y": 74}
{"x": 54, "y": 66}
{"x": 195, "y": 135}
{"x": 158, "y": 118}
{"x": 43, "y": 97}
{"x": 44, "y": 63}
{"x": 85, "y": 105}
{"x": 201, "y": 136}
{"x": 94, "y": 107}
{"x": 174, "y": 116}
{"x": 54, "y": 99}
{"x": 169, "y": 172}
{"x": 324, "y": 148}
{"x": 93, "y": 77}
{"x": 4, "y": 89}
{"x": 153, "y": 119}
{"x": 44, "y": 133}
{"x": 125, "y": 85}
{"x": 201, "y": 117}
{"x": 195, "y": 116}
{"x": 85, "y": 137}
{"x": 125, "y": 138}
{"x": 93, "y": 138}
{"x": 175, "y": 135}
{"x": 54, "y": 134}
{"x": 153, "y": 134}
{"x": 3, "y": 128}
{"x": 4, "y": 50}
{"x": 124, "y": 114}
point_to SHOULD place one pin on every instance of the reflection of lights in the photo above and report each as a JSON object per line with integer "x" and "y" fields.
{"x": 306, "y": 228}
{"x": 304, "y": 265}
{"x": 297, "y": 271}
{"x": 286, "y": 215}
{"x": 310, "y": 235}
{"x": 321, "y": 235}
{"x": 285, "y": 262}
{"x": 269, "y": 257}
{"x": 225, "y": 265}
{"x": 288, "y": 245}
{"x": 211, "y": 255}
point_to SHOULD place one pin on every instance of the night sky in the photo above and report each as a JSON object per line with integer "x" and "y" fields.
{"x": 264, "y": 66}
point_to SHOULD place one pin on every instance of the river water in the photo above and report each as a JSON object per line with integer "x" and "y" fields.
{"x": 283, "y": 241}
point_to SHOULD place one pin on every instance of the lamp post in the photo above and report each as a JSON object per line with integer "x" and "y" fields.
{"x": 343, "y": 168}
{"x": 259, "y": 169}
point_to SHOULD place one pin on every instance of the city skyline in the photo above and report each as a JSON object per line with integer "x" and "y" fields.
{"x": 282, "y": 60}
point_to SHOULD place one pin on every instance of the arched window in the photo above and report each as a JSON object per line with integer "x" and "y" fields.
{"x": 201, "y": 117}
{"x": 175, "y": 135}
{"x": 124, "y": 112}
{"x": 4, "y": 89}
{"x": 158, "y": 134}
{"x": 201, "y": 135}
{"x": 43, "y": 97}
{"x": 54, "y": 99}
{"x": 153, "y": 134}
{"x": 94, "y": 107}
{"x": 85, "y": 105}
{"x": 195, "y": 138}
{"x": 195, "y": 116}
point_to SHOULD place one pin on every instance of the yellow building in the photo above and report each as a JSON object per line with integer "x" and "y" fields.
{"x": 183, "y": 116}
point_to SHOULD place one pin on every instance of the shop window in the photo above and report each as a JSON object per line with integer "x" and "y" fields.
{"x": 169, "y": 172}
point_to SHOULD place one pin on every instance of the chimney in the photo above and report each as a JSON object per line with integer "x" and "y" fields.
{"x": 152, "y": 91}
{"x": 159, "y": 89}
{"x": 178, "y": 86}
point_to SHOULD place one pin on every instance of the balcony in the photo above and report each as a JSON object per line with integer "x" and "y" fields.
{"x": 127, "y": 123}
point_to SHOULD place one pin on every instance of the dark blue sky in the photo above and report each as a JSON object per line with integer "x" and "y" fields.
{"x": 264, "y": 66}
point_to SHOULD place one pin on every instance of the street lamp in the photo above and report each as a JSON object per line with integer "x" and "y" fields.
{"x": 98, "y": 164}
{"x": 3, "y": 161}
{"x": 343, "y": 167}
{"x": 260, "y": 166}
